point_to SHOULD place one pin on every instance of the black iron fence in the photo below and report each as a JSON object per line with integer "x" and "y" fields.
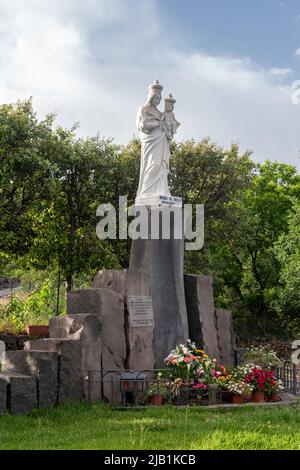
{"x": 289, "y": 374}
{"x": 127, "y": 388}
{"x": 141, "y": 388}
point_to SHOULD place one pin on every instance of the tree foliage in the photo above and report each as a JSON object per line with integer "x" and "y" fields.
{"x": 51, "y": 183}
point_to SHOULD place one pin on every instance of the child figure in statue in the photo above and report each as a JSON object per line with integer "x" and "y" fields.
{"x": 169, "y": 121}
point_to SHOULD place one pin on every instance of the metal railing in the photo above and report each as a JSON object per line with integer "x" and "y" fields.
{"x": 289, "y": 374}
{"x": 128, "y": 388}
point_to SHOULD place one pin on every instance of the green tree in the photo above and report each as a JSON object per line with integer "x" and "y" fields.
{"x": 287, "y": 294}
{"x": 65, "y": 230}
{"x": 262, "y": 215}
{"x": 24, "y": 173}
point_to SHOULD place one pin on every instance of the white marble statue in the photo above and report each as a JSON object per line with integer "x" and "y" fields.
{"x": 156, "y": 131}
{"x": 169, "y": 120}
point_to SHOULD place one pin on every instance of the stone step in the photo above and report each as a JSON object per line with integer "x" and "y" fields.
{"x": 18, "y": 393}
{"x": 59, "y": 327}
{"x": 47, "y": 344}
{"x": 40, "y": 364}
{"x": 62, "y": 327}
{"x": 70, "y": 383}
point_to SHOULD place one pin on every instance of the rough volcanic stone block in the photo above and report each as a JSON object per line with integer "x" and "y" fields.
{"x": 70, "y": 373}
{"x": 108, "y": 305}
{"x": 59, "y": 327}
{"x": 3, "y": 395}
{"x": 111, "y": 279}
{"x": 70, "y": 382}
{"x": 141, "y": 343}
{"x": 113, "y": 331}
{"x": 85, "y": 301}
{"x": 47, "y": 344}
{"x": 201, "y": 313}
{"x": 44, "y": 366}
{"x": 102, "y": 338}
{"x": 21, "y": 392}
{"x": 140, "y": 340}
{"x": 226, "y": 337}
{"x": 88, "y": 330}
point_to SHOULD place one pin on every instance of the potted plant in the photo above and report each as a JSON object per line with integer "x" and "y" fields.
{"x": 37, "y": 330}
{"x": 240, "y": 390}
{"x": 158, "y": 391}
{"x": 263, "y": 357}
{"x": 273, "y": 388}
{"x": 257, "y": 378}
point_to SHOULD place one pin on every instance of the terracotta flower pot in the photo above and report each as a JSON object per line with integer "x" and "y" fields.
{"x": 37, "y": 330}
{"x": 247, "y": 397}
{"x": 156, "y": 399}
{"x": 237, "y": 399}
{"x": 258, "y": 396}
{"x": 274, "y": 398}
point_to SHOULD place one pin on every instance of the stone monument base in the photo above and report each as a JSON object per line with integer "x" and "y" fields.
{"x": 159, "y": 201}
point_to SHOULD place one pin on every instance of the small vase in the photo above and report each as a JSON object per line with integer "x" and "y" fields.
{"x": 212, "y": 393}
{"x": 156, "y": 399}
{"x": 258, "y": 396}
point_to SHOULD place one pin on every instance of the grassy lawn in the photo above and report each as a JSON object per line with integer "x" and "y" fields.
{"x": 84, "y": 426}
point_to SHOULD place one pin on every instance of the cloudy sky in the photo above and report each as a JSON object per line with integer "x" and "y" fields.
{"x": 231, "y": 65}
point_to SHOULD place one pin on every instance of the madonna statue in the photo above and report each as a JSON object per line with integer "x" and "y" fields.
{"x": 155, "y": 153}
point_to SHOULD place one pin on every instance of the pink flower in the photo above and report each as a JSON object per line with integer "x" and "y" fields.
{"x": 199, "y": 386}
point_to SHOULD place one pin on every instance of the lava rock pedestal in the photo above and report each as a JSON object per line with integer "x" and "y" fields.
{"x": 162, "y": 261}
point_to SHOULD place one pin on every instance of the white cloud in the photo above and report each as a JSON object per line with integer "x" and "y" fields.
{"x": 92, "y": 62}
{"x": 281, "y": 72}
{"x": 297, "y": 52}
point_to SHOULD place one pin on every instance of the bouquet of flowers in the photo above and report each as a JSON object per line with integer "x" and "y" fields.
{"x": 194, "y": 367}
{"x": 185, "y": 360}
{"x": 239, "y": 387}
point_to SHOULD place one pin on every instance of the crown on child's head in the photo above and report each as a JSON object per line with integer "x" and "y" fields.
{"x": 156, "y": 86}
{"x": 170, "y": 99}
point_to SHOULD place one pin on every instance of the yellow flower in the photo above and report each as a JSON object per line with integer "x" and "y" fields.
{"x": 200, "y": 351}
{"x": 205, "y": 355}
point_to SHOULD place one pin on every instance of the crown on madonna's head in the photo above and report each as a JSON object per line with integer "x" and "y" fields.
{"x": 170, "y": 99}
{"x": 156, "y": 86}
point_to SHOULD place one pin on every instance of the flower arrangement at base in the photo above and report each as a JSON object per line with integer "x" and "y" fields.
{"x": 239, "y": 389}
{"x": 184, "y": 361}
{"x": 194, "y": 374}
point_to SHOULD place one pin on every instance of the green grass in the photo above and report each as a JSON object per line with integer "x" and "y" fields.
{"x": 84, "y": 426}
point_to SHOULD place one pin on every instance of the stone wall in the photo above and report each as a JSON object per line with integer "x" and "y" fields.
{"x": 16, "y": 342}
{"x": 96, "y": 336}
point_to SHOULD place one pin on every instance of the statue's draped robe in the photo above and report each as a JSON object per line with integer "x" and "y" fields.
{"x": 155, "y": 155}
